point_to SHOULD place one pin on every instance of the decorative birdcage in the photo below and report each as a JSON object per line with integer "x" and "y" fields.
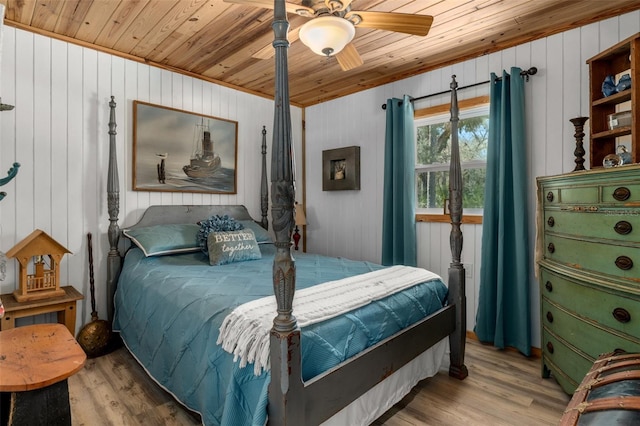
{"x": 39, "y": 257}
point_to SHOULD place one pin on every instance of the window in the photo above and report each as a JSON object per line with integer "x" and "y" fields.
{"x": 433, "y": 152}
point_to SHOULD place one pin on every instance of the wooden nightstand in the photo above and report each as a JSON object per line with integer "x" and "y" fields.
{"x": 65, "y": 306}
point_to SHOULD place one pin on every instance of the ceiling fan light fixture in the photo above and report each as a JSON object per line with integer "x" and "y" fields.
{"x": 327, "y": 35}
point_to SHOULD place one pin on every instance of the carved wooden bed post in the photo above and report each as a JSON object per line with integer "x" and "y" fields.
{"x": 456, "y": 270}
{"x": 285, "y": 389}
{"x": 264, "y": 190}
{"x": 113, "y": 206}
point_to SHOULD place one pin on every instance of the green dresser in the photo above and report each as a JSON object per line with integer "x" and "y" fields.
{"x": 589, "y": 268}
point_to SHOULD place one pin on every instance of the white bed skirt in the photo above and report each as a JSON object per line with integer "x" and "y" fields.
{"x": 375, "y": 402}
{"x": 364, "y": 410}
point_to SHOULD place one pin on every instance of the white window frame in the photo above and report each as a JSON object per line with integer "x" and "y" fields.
{"x": 475, "y": 111}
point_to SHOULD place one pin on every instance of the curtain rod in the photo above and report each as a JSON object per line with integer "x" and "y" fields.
{"x": 524, "y": 73}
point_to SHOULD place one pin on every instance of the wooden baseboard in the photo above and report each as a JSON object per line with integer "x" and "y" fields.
{"x": 535, "y": 352}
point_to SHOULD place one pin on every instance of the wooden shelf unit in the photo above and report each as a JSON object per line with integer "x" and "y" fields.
{"x": 618, "y": 58}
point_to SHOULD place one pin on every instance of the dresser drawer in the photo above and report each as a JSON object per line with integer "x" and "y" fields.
{"x": 563, "y": 358}
{"x": 570, "y": 195}
{"x": 611, "y": 259}
{"x": 621, "y": 194}
{"x": 620, "y": 225}
{"x": 592, "y": 339}
{"x": 619, "y": 312}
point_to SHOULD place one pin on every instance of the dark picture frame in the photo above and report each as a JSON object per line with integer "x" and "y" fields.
{"x": 341, "y": 169}
{"x": 173, "y": 153}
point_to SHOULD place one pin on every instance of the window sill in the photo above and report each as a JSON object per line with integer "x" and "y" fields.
{"x": 444, "y": 218}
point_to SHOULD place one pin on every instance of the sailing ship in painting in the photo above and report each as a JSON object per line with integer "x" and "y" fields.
{"x": 204, "y": 162}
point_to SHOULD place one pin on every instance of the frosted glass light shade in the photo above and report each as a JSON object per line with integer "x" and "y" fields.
{"x": 327, "y": 35}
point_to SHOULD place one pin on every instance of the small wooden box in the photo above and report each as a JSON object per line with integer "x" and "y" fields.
{"x": 609, "y": 394}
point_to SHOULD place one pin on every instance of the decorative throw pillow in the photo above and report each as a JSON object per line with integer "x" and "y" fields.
{"x": 215, "y": 223}
{"x": 262, "y": 235}
{"x": 232, "y": 246}
{"x": 159, "y": 240}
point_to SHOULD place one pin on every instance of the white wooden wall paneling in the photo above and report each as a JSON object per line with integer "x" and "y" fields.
{"x": 8, "y": 154}
{"x": 42, "y": 134}
{"x": 25, "y": 203}
{"x": 317, "y": 235}
{"x": 609, "y": 33}
{"x": 372, "y": 176}
{"x": 74, "y": 153}
{"x": 59, "y": 149}
{"x": 136, "y": 81}
{"x": 537, "y": 111}
{"x": 629, "y": 24}
{"x": 554, "y": 103}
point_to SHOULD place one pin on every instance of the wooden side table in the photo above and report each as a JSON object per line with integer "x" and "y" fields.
{"x": 65, "y": 306}
{"x": 35, "y": 362}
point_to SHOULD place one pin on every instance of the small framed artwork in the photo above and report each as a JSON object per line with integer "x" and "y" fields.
{"x": 341, "y": 169}
{"x": 181, "y": 151}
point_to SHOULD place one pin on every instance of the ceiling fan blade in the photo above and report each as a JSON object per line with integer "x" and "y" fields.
{"x": 268, "y": 4}
{"x": 349, "y": 58}
{"x": 390, "y": 21}
{"x": 268, "y": 51}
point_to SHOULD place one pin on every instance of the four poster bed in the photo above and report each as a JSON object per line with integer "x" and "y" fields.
{"x": 174, "y": 310}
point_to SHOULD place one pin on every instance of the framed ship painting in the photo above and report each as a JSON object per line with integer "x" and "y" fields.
{"x": 181, "y": 151}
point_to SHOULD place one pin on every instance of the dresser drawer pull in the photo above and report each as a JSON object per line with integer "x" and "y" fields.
{"x": 548, "y": 286}
{"x": 623, "y": 227}
{"x": 622, "y": 193}
{"x": 621, "y": 315}
{"x": 551, "y": 221}
{"x": 550, "y": 347}
{"x": 624, "y": 262}
{"x": 549, "y": 316}
{"x": 549, "y": 196}
{"x": 551, "y": 248}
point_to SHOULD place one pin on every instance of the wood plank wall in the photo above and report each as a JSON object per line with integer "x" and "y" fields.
{"x": 348, "y": 223}
{"x": 58, "y": 133}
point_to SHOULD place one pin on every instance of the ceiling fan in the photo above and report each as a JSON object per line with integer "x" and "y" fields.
{"x": 333, "y": 24}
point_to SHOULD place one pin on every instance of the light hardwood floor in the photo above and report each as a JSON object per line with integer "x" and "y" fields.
{"x": 503, "y": 388}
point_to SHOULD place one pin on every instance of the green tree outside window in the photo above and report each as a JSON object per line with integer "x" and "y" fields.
{"x": 433, "y": 152}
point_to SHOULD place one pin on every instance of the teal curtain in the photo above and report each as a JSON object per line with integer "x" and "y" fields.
{"x": 503, "y": 316}
{"x": 398, "y": 216}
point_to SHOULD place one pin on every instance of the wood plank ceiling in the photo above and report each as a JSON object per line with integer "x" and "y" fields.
{"x": 216, "y": 41}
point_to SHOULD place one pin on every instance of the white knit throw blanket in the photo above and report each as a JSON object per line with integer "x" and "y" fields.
{"x": 245, "y": 331}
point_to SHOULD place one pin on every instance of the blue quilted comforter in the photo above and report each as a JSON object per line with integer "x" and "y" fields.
{"x": 168, "y": 310}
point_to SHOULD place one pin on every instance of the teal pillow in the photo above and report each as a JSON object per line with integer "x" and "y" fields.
{"x": 159, "y": 240}
{"x": 262, "y": 235}
{"x": 232, "y": 246}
